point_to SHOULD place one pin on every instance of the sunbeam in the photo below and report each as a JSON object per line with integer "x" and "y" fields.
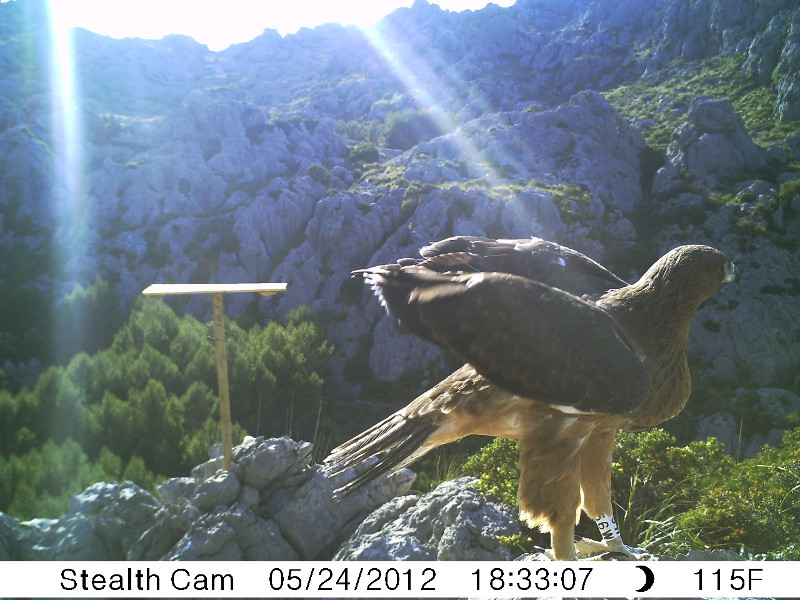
{"x": 69, "y": 205}
{"x": 417, "y": 76}
{"x": 67, "y": 140}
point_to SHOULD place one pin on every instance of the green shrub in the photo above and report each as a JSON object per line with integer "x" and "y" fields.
{"x": 363, "y": 154}
{"x": 496, "y": 468}
{"x": 754, "y": 507}
{"x": 319, "y": 174}
{"x": 789, "y": 195}
{"x": 406, "y": 130}
{"x": 672, "y": 499}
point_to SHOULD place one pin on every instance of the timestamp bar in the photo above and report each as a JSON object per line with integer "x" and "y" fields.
{"x": 422, "y": 579}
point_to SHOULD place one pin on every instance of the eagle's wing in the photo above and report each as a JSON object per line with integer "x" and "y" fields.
{"x": 533, "y": 258}
{"x": 533, "y": 339}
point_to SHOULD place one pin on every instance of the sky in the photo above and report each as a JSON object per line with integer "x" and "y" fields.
{"x": 219, "y": 23}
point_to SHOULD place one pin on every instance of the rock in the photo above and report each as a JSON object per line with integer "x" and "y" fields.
{"x": 221, "y": 489}
{"x": 453, "y": 522}
{"x": 235, "y": 534}
{"x": 285, "y": 510}
{"x": 710, "y": 146}
{"x": 738, "y": 437}
{"x": 265, "y": 460}
{"x": 765, "y": 50}
{"x": 714, "y": 116}
{"x": 396, "y": 352}
{"x": 788, "y": 106}
{"x": 168, "y": 527}
{"x": 11, "y": 532}
{"x": 102, "y": 521}
{"x": 532, "y": 213}
{"x": 314, "y": 522}
{"x": 176, "y": 490}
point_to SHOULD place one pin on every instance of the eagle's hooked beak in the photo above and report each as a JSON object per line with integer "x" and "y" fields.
{"x": 729, "y": 273}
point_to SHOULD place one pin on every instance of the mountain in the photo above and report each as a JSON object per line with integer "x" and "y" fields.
{"x": 620, "y": 128}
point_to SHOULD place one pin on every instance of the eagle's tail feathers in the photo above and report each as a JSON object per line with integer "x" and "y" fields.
{"x": 364, "y": 444}
{"x": 396, "y": 439}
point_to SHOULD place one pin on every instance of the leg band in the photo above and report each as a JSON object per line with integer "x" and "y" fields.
{"x": 608, "y": 527}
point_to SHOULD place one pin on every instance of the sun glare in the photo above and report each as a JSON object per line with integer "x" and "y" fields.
{"x": 220, "y": 23}
{"x": 68, "y": 196}
{"x": 419, "y": 79}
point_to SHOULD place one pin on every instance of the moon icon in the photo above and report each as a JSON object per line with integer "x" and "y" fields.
{"x": 649, "y": 578}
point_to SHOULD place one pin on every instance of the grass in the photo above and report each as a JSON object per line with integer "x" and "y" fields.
{"x": 675, "y": 87}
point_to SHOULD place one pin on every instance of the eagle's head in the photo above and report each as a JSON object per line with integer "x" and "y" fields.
{"x": 672, "y": 290}
{"x": 690, "y": 274}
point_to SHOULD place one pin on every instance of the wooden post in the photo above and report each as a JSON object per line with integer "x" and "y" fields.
{"x": 216, "y": 290}
{"x": 222, "y": 381}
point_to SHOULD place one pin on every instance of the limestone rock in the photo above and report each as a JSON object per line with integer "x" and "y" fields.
{"x": 221, "y": 489}
{"x": 177, "y": 490}
{"x": 102, "y": 521}
{"x": 11, "y": 533}
{"x": 315, "y": 523}
{"x": 263, "y": 461}
{"x": 788, "y": 107}
{"x": 711, "y": 145}
{"x": 232, "y": 534}
{"x": 765, "y": 50}
{"x": 738, "y": 437}
{"x": 168, "y": 526}
{"x": 453, "y": 522}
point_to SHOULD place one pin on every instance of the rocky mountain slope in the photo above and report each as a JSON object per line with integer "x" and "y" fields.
{"x": 619, "y": 128}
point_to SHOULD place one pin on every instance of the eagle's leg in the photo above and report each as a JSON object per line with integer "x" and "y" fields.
{"x": 549, "y": 489}
{"x": 595, "y": 478}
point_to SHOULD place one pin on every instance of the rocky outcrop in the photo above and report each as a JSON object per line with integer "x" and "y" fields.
{"x": 744, "y": 439}
{"x": 712, "y": 145}
{"x": 788, "y": 108}
{"x": 453, "y": 522}
{"x": 272, "y": 504}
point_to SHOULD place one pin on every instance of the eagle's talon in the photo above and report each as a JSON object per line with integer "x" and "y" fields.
{"x": 594, "y": 550}
{"x": 589, "y": 546}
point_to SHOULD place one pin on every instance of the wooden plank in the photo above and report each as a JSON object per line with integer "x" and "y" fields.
{"x": 167, "y": 289}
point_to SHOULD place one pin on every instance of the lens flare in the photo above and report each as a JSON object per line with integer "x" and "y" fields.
{"x": 416, "y": 74}
{"x": 67, "y": 141}
{"x": 72, "y": 258}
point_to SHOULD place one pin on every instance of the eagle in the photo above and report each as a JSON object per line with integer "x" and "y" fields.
{"x": 559, "y": 354}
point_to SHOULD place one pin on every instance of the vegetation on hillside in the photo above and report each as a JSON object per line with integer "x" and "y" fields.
{"x": 658, "y": 102}
{"x": 399, "y": 130}
{"x": 146, "y": 406}
{"x": 672, "y": 499}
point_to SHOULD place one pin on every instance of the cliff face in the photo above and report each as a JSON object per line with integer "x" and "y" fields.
{"x": 173, "y": 163}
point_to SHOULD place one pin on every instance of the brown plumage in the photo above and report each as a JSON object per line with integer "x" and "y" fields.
{"x": 560, "y": 353}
